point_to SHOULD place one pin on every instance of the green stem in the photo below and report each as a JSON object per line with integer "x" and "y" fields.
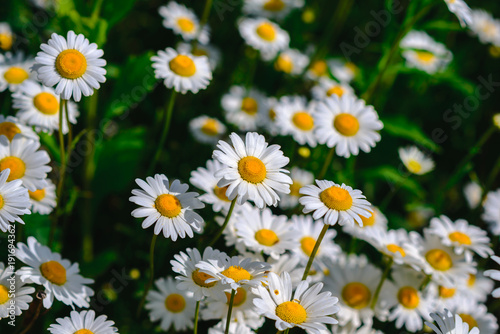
{"x": 203, "y": 22}
{"x": 229, "y": 311}
{"x": 381, "y": 283}
{"x": 151, "y": 274}
{"x": 425, "y": 283}
{"x": 314, "y": 251}
{"x": 224, "y": 225}
{"x": 327, "y": 163}
{"x": 196, "y": 316}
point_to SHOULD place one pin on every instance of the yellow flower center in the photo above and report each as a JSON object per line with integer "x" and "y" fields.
{"x": 471, "y": 281}
{"x": 272, "y": 114}
{"x": 266, "y": 237}
{"x": 489, "y": 29}
{"x": 4, "y": 294}
{"x": 9, "y": 130}
{"x": 274, "y": 5}
{"x": 335, "y": 90}
{"x": 370, "y": 221}
{"x": 221, "y": 193}
{"x": 185, "y": 24}
{"x": 83, "y": 331}
{"x": 445, "y": 292}
{"x": 2, "y": 202}
{"x": 5, "y": 41}
{"x": 17, "y": 167}
{"x": 336, "y": 198}
{"x": 356, "y": 295}
{"x": 239, "y": 297}
{"x": 284, "y": 63}
{"x": 210, "y": 127}
{"x": 303, "y": 121}
{"x": 408, "y": 297}
{"x": 199, "y": 52}
{"x": 175, "y": 303}
{"x": 346, "y": 124}
{"x": 266, "y": 31}
{"x": 291, "y": 312}
{"x": 295, "y": 188}
{"x": 393, "y": 248}
{"x": 249, "y": 105}
{"x": 54, "y": 272}
{"x": 414, "y": 166}
{"x": 425, "y": 57}
{"x": 467, "y": 318}
{"x": 439, "y": 259}
{"x": 237, "y": 273}
{"x": 319, "y": 68}
{"x": 15, "y": 75}
{"x": 182, "y": 65}
{"x": 351, "y": 66}
{"x": 46, "y": 103}
{"x": 199, "y": 278}
{"x": 252, "y": 169}
{"x": 71, "y": 64}
{"x": 307, "y": 245}
{"x": 37, "y": 195}
{"x": 168, "y": 205}
{"x": 460, "y": 237}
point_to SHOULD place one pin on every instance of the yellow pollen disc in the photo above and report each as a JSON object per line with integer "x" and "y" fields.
{"x": 307, "y": 245}
{"x": 168, "y": 205}
{"x": 210, "y": 127}
{"x": 71, "y": 64}
{"x": 249, "y": 105}
{"x": 460, "y": 237}
{"x": 54, "y": 272}
{"x": 46, "y": 103}
{"x": 4, "y": 294}
{"x": 284, "y": 63}
{"x": 221, "y": 193}
{"x": 408, "y": 297}
{"x": 414, "y": 166}
{"x": 356, "y": 295}
{"x": 37, "y": 195}
{"x": 467, "y": 318}
{"x": 370, "y": 221}
{"x": 199, "y": 52}
{"x": 425, "y": 57}
{"x": 199, "y": 278}
{"x": 303, "y": 121}
{"x": 319, "y": 68}
{"x": 15, "y": 75}
{"x": 252, "y": 169}
{"x": 266, "y": 31}
{"x": 9, "y": 130}
{"x": 175, "y": 303}
{"x": 272, "y": 114}
{"x": 335, "y": 90}
{"x": 393, "y": 248}
{"x": 291, "y": 312}
{"x": 274, "y": 5}
{"x": 351, "y": 66}
{"x": 295, "y": 188}
{"x": 239, "y": 297}
{"x": 336, "y": 198}
{"x": 237, "y": 273}
{"x": 185, "y": 24}
{"x": 266, "y": 237}
{"x": 5, "y": 41}
{"x": 182, "y": 65}
{"x": 17, "y": 167}
{"x": 439, "y": 259}
{"x": 346, "y": 124}
{"x": 471, "y": 281}
{"x": 83, "y": 331}
{"x": 2, "y": 202}
{"x": 445, "y": 292}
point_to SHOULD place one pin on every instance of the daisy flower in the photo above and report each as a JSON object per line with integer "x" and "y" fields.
{"x": 39, "y": 106}
{"x": 473, "y": 194}
{"x": 449, "y": 323}
{"x": 294, "y": 117}
{"x": 253, "y": 170}
{"x": 182, "y": 71}
{"x": 476, "y": 315}
{"x": 347, "y": 124}
{"x": 444, "y": 296}
{"x": 365, "y": 329}
{"x": 58, "y": 276}
{"x": 10, "y": 126}
{"x": 310, "y": 309}
{"x": 336, "y": 203}
{"x": 211, "y": 51}
{"x": 83, "y": 322}
{"x": 271, "y": 8}
{"x": 25, "y": 161}
{"x": 14, "y": 201}
{"x": 168, "y": 206}
{"x": 376, "y": 220}
{"x": 14, "y": 70}
{"x": 291, "y": 61}
{"x": 242, "y": 107}
{"x": 342, "y": 70}
{"x": 485, "y": 27}
{"x": 184, "y": 22}
{"x": 300, "y": 178}
{"x": 495, "y": 275}
{"x": 6, "y": 36}
{"x": 234, "y": 328}
{"x": 264, "y": 35}
{"x": 477, "y": 288}
{"x": 327, "y": 87}
{"x": 491, "y": 213}
{"x": 43, "y": 201}
{"x": 462, "y": 11}
{"x": 170, "y": 305}
{"x": 415, "y": 161}
{"x": 290, "y": 264}
{"x": 267, "y": 116}
{"x": 462, "y": 236}
{"x": 14, "y": 296}
{"x": 72, "y": 63}
{"x": 206, "y": 129}
{"x": 316, "y": 70}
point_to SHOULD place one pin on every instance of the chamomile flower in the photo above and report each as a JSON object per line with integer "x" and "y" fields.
{"x": 491, "y": 213}
{"x": 182, "y": 71}
{"x": 72, "y": 63}
{"x": 415, "y": 160}
{"x": 58, "y": 276}
{"x": 343, "y": 71}
{"x": 422, "y": 52}
{"x": 495, "y": 275}
{"x": 234, "y": 328}
{"x": 300, "y": 178}
{"x": 253, "y": 170}
{"x": 444, "y": 296}
{"x": 473, "y": 194}
{"x": 14, "y": 296}
{"x": 477, "y": 288}
{"x": 310, "y": 308}
{"x": 14, "y": 201}
{"x": 317, "y": 69}
{"x": 14, "y": 70}
{"x": 476, "y": 315}
{"x": 184, "y": 22}
{"x": 168, "y": 206}
{"x": 485, "y": 27}
{"x": 206, "y": 129}
{"x": 10, "y": 126}
{"x": 39, "y": 106}
{"x": 243, "y": 107}
{"x": 264, "y": 35}
{"x": 271, "y": 8}
{"x": 327, "y": 87}
{"x": 294, "y": 117}
{"x": 334, "y": 203}
{"x": 461, "y": 10}
{"x": 347, "y": 124}
{"x": 267, "y": 116}
{"x": 449, "y": 323}
{"x": 43, "y": 201}
{"x": 25, "y": 161}
{"x": 290, "y": 264}
{"x": 171, "y": 306}
{"x": 376, "y": 220}
{"x": 291, "y": 61}
{"x": 211, "y": 51}
{"x": 462, "y": 236}
{"x": 84, "y": 322}
{"x": 6, "y": 36}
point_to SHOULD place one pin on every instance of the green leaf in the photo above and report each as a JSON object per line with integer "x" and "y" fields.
{"x": 115, "y": 10}
{"x": 442, "y": 25}
{"x": 51, "y": 145}
{"x": 457, "y": 82}
{"x": 38, "y": 225}
{"x": 402, "y": 127}
{"x": 395, "y": 177}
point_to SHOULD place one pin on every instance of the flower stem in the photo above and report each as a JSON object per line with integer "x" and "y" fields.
{"x": 381, "y": 283}
{"x": 426, "y": 282}
{"x": 196, "y": 316}
{"x": 226, "y": 221}
{"x": 327, "y": 163}
{"x": 203, "y": 22}
{"x": 229, "y": 311}
{"x": 314, "y": 251}
{"x": 151, "y": 274}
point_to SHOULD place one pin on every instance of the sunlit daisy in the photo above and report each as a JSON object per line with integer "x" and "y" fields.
{"x": 271, "y": 8}
{"x": 334, "y": 203}
{"x": 264, "y": 35}
{"x": 206, "y": 129}
{"x": 234, "y": 328}
{"x": 58, "y": 276}
{"x": 477, "y": 288}
{"x": 14, "y": 296}
{"x": 491, "y": 213}
{"x": 211, "y": 51}
{"x": 14, "y": 70}
{"x": 376, "y": 220}
{"x": 167, "y": 205}
{"x": 415, "y": 160}
{"x": 485, "y": 27}
{"x": 448, "y": 297}
{"x": 449, "y": 323}
{"x": 310, "y": 309}
{"x": 462, "y": 11}
{"x": 253, "y": 170}
{"x": 317, "y": 69}
{"x": 170, "y": 305}
{"x": 327, "y": 87}
{"x": 243, "y": 107}
{"x": 43, "y": 201}
{"x": 495, "y": 275}
{"x": 84, "y": 322}
{"x": 6, "y": 36}
{"x": 10, "y": 126}
{"x": 422, "y": 52}
{"x": 473, "y": 194}
{"x": 294, "y": 117}
{"x": 14, "y": 201}
{"x": 291, "y": 61}
{"x": 184, "y": 22}
{"x": 300, "y": 178}
{"x": 73, "y": 63}
{"x": 343, "y": 71}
